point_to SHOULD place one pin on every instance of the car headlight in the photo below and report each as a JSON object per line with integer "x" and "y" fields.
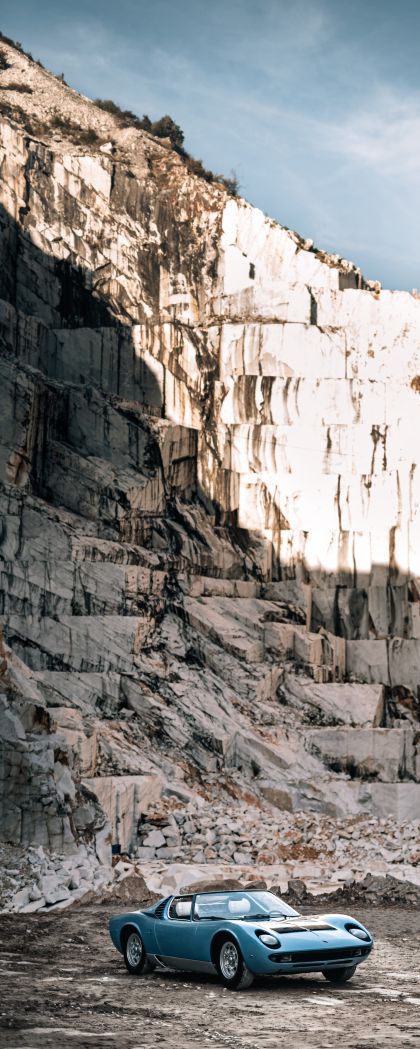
{"x": 268, "y": 939}
{"x": 360, "y": 933}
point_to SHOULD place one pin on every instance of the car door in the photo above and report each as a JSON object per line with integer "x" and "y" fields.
{"x": 176, "y": 935}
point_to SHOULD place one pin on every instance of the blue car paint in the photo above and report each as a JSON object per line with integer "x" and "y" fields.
{"x": 186, "y": 944}
{"x": 144, "y": 921}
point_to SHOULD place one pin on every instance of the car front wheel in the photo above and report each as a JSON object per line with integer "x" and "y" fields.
{"x": 340, "y": 975}
{"x": 135, "y": 956}
{"x": 231, "y": 967}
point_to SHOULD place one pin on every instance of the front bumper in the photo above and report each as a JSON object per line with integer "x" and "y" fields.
{"x": 314, "y": 960}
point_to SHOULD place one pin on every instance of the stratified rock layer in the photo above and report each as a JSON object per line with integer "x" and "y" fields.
{"x": 209, "y": 501}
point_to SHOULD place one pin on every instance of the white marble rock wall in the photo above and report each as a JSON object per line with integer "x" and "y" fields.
{"x": 208, "y": 470}
{"x": 317, "y": 425}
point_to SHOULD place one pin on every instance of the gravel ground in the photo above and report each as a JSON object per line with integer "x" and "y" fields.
{"x": 62, "y": 983}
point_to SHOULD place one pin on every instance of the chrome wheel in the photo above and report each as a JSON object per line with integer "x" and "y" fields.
{"x": 134, "y": 950}
{"x": 231, "y": 966}
{"x": 229, "y": 960}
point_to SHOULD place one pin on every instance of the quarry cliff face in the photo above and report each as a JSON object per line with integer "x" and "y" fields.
{"x": 210, "y": 497}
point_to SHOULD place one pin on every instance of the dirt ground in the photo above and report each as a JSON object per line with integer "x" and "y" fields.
{"x": 63, "y": 984}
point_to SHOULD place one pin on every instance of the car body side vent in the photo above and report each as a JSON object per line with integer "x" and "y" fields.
{"x": 159, "y": 910}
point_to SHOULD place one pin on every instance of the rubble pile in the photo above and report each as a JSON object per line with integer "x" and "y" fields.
{"x": 209, "y": 523}
{"x": 380, "y": 889}
{"x": 38, "y": 880}
{"x": 303, "y": 842}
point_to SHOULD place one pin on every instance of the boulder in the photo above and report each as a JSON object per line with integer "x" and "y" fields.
{"x": 217, "y": 885}
{"x": 343, "y": 703}
{"x": 382, "y": 753}
{"x": 21, "y": 899}
{"x": 154, "y": 840}
{"x": 52, "y": 889}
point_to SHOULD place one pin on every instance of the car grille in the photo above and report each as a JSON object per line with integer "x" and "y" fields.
{"x": 326, "y": 954}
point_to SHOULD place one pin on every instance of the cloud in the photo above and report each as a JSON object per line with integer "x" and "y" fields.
{"x": 384, "y": 135}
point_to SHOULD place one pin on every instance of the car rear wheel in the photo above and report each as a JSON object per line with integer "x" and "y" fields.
{"x": 231, "y": 966}
{"x": 135, "y": 956}
{"x": 340, "y": 975}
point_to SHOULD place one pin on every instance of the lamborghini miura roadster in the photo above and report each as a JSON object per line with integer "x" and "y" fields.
{"x": 239, "y": 935}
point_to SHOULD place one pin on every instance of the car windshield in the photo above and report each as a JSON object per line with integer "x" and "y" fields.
{"x": 246, "y": 906}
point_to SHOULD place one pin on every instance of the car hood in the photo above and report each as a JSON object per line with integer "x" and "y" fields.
{"x": 319, "y": 929}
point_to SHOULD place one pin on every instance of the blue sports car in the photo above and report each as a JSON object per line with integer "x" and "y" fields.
{"x": 239, "y": 935}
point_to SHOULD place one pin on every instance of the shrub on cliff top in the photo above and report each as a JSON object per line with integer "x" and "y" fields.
{"x": 12, "y": 43}
{"x": 83, "y": 136}
{"x": 166, "y": 128}
{"x": 230, "y": 183}
{"x": 14, "y": 112}
{"x": 126, "y": 117}
{"x": 163, "y": 128}
{"x": 197, "y": 168}
{"x": 18, "y": 47}
{"x": 4, "y": 63}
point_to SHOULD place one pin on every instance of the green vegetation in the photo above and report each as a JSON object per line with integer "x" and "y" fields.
{"x": 14, "y": 112}
{"x": 18, "y": 47}
{"x": 23, "y": 89}
{"x": 16, "y": 44}
{"x": 80, "y": 135}
{"x": 166, "y": 128}
{"x": 4, "y": 63}
{"x": 163, "y": 128}
{"x": 83, "y": 136}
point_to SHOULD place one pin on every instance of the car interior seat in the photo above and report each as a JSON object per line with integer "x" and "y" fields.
{"x": 241, "y": 906}
{"x": 183, "y": 909}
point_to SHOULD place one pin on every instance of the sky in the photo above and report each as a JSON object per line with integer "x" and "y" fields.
{"x": 314, "y": 104}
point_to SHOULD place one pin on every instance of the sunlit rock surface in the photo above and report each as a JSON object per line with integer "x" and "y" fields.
{"x": 209, "y": 501}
